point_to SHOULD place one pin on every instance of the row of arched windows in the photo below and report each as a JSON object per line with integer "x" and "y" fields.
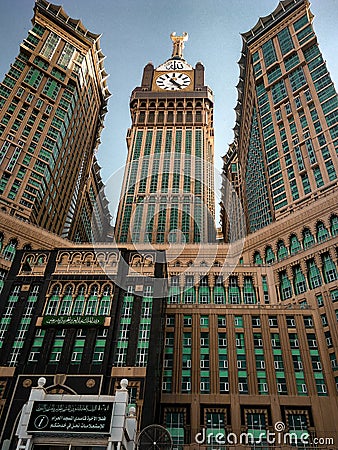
{"x": 202, "y": 294}
{"x": 295, "y": 245}
{"x": 313, "y": 278}
{"x": 79, "y": 300}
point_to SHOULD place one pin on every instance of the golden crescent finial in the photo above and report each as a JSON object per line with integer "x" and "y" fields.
{"x": 178, "y": 44}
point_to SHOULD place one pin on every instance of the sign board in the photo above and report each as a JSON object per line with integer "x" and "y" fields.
{"x": 73, "y": 320}
{"x": 70, "y": 417}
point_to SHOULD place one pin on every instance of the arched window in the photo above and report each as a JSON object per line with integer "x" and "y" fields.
{"x": 10, "y": 250}
{"x": 66, "y": 302}
{"x": 104, "y": 308}
{"x": 3, "y": 274}
{"x": 204, "y": 291}
{"x": 41, "y": 260}
{"x": 219, "y": 291}
{"x": 334, "y": 225}
{"x": 282, "y": 251}
{"x": 92, "y": 300}
{"x": 329, "y": 268}
{"x": 54, "y": 300}
{"x": 269, "y": 255}
{"x": 249, "y": 293}
{"x": 285, "y": 286}
{"x": 313, "y": 274}
{"x": 322, "y": 233}
{"x": 79, "y": 302}
{"x": 27, "y": 247}
{"x": 234, "y": 294}
{"x": 295, "y": 245}
{"x": 257, "y": 258}
{"x": 299, "y": 281}
{"x": 308, "y": 239}
{"x": 189, "y": 290}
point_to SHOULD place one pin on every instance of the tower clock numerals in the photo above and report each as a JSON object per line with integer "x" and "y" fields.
{"x": 173, "y": 81}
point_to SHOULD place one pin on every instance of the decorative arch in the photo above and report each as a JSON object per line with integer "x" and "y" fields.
{"x": 68, "y": 289}
{"x": 308, "y": 239}
{"x": 81, "y": 289}
{"x": 75, "y": 258}
{"x": 269, "y": 255}
{"x": 148, "y": 260}
{"x": 88, "y": 257}
{"x": 107, "y": 289}
{"x": 10, "y": 249}
{"x": 294, "y": 244}
{"x": 334, "y": 225}
{"x": 322, "y": 233}
{"x": 136, "y": 261}
{"x": 64, "y": 258}
{"x": 55, "y": 289}
{"x": 282, "y": 251}
{"x": 257, "y": 259}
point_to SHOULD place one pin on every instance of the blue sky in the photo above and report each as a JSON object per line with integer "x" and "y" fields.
{"x": 135, "y": 32}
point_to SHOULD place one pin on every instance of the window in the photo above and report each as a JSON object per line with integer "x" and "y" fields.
{"x": 174, "y": 423}
{"x": 314, "y": 276}
{"x": 92, "y": 302}
{"x": 308, "y": 239}
{"x": 285, "y": 286}
{"x": 281, "y": 250}
{"x": 55, "y": 355}
{"x": 10, "y": 250}
{"x": 256, "y": 321}
{"x": 249, "y": 291}
{"x": 322, "y": 233}
{"x": 50, "y": 45}
{"x": 295, "y": 245}
{"x": 297, "y": 424}
{"x": 269, "y": 255}
{"x": 334, "y": 225}
{"x": 269, "y": 53}
{"x": 66, "y": 55}
{"x": 299, "y": 280}
{"x": 77, "y": 351}
{"x": 222, "y": 340}
{"x": 329, "y": 268}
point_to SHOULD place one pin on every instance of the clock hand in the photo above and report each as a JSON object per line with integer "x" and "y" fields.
{"x": 175, "y": 82}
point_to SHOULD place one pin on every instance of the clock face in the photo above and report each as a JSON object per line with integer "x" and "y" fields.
{"x": 173, "y": 81}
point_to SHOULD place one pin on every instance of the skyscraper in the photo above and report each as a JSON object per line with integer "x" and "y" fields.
{"x": 249, "y": 344}
{"x": 286, "y": 118}
{"x": 53, "y": 101}
{"x": 168, "y": 187}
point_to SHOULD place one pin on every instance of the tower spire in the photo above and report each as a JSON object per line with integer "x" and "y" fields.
{"x": 178, "y": 44}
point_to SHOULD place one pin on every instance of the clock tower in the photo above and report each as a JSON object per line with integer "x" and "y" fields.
{"x": 168, "y": 187}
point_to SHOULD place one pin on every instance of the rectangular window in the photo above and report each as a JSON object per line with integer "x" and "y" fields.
{"x": 34, "y": 77}
{"x": 51, "y": 88}
{"x": 297, "y": 79}
{"x": 278, "y": 91}
{"x": 285, "y": 41}
{"x": 50, "y": 45}
{"x": 269, "y": 53}
{"x": 66, "y": 55}
{"x": 305, "y": 35}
